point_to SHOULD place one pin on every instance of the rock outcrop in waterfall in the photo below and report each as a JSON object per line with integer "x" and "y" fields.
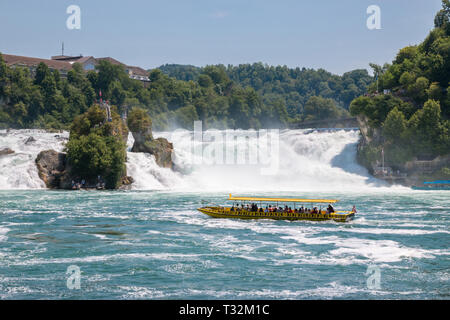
{"x": 140, "y": 125}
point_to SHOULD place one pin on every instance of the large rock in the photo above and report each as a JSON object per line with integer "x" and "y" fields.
{"x": 140, "y": 124}
{"x": 56, "y": 172}
{"x": 160, "y": 148}
{"x": 51, "y": 167}
{"x": 30, "y": 140}
{"x": 6, "y": 151}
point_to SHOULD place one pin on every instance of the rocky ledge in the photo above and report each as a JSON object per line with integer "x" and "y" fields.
{"x": 54, "y": 170}
{"x": 6, "y": 151}
{"x": 140, "y": 126}
{"x": 51, "y": 167}
{"x": 160, "y": 148}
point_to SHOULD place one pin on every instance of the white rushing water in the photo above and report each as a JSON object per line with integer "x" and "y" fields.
{"x": 301, "y": 160}
{"x": 18, "y": 170}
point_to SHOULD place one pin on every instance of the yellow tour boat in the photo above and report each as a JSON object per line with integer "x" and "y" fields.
{"x": 278, "y": 209}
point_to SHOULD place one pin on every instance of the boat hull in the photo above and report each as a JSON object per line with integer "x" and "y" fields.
{"x": 220, "y": 212}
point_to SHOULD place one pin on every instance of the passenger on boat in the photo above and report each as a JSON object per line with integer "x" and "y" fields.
{"x": 315, "y": 210}
{"x": 330, "y": 209}
{"x": 354, "y": 209}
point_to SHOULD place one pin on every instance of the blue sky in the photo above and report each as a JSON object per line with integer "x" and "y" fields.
{"x": 329, "y": 34}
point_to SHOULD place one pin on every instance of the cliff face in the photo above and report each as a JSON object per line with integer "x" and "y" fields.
{"x": 410, "y": 173}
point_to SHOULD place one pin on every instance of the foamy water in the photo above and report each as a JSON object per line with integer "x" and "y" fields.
{"x": 305, "y": 160}
{"x": 155, "y": 245}
{"x": 152, "y": 243}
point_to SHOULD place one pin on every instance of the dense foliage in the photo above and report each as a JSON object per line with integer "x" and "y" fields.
{"x": 97, "y": 147}
{"x": 292, "y": 88}
{"x": 139, "y": 121}
{"x": 413, "y": 109}
{"x": 247, "y": 96}
{"x": 45, "y": 100}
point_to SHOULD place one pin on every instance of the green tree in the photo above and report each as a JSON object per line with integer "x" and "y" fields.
{"x": 394, "y": 127}
{"x": 427, "y": 130}
{"x": 138, "y": 120}
{"x": 318, "y": 108}
{"x": 97, "y": 147}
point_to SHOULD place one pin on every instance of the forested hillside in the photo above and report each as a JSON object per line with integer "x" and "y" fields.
{"x": 292, "y": 87}
{"x": 409, "y": 104}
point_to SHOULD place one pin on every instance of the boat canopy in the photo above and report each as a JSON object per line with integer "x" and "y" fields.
{"x": 282, "y": 200}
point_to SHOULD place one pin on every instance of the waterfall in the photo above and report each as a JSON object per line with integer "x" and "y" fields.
{"x": 306, "y": 160}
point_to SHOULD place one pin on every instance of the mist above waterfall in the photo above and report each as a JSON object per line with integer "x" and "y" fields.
{"x": 307, "y": 160}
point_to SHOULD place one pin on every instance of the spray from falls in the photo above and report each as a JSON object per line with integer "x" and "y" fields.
{"x": 306, "y": 160}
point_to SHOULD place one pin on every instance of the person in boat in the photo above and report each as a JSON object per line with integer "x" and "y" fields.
{"x": 232, "y": 208}
{"x": 330, "y": 209}
{"x": 354, "y": 209}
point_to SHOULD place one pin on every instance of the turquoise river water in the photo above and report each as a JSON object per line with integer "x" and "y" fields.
{"x": 155, "y": 245}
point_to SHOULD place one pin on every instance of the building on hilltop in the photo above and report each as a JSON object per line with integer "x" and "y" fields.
{"x": 90, "y": 62}
{"x": 32, "y": 63}
{"x": 64, "y": 64}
